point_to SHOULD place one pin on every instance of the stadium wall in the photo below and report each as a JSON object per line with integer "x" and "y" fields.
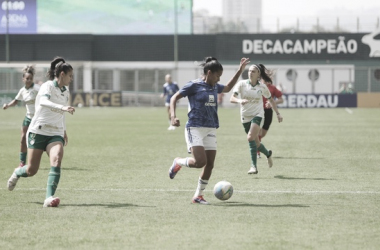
{"x": 326, "y": 48}
{"x": 307, "y": 64}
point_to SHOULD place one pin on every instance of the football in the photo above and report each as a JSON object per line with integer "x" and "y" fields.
{"x": 223, "y": 190}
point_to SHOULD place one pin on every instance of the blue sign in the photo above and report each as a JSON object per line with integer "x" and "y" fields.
{"x": 22, "y": 17}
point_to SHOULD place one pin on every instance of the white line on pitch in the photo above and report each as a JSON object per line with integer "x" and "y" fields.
{"x": 191, "y": 190}
{"x": 349, "y": 111}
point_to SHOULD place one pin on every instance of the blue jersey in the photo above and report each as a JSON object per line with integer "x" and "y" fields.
{"x": 203, "y": 103}
{"x": 169, "y": 90}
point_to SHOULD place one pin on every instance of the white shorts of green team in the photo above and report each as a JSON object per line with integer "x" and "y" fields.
{"x": 200, "y": 136}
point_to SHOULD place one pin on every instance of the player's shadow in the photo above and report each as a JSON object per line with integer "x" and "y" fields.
{"x": 68, "y": 169}
{"x": 244, "y": 204}
{"x": 300, "y": 178}
{"x": 298, "y": 158}
{"x": 106, "y": 205}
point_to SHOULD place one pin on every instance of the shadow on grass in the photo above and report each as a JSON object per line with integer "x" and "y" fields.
{"x": 298, "y": 158}
{"x": 109, "y": 205}
{"x": 69, "y": 169}
{"x": 243, "y": 204}
{"x": 298, "y": 178}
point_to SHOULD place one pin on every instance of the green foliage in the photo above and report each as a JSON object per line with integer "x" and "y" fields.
{"x": 322, "y": 192}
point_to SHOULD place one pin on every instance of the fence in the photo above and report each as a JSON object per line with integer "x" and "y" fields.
{"x": 141, "y": 82}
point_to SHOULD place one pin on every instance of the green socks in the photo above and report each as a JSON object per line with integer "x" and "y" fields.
{"x": 21, "y": 172}
{"x": 253, "y": 150}
{"x": 53, "y": 180}
{"x": 23, "y": 157}
{"x": 263, "y": 150}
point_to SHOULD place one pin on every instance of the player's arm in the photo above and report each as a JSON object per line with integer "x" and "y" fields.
{"x": 173, "y": 105}
{"x": 243, "y": 62}
{"x": 163, "y": 93}
{"x": 278, "y": 95}
{"x": 279, "y": 100}
{"x": 45, "y": 102}
{"x": 274, "y": 106}
{"x": 66, "y": 139}
{"x": 235, "y": 97}
{"x": 11, "y": 104}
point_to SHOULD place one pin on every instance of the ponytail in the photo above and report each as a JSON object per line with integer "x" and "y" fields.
{"x": 265, "y": 74}
{"x": 57, "y": 66}
{"x": 212, "y": 64}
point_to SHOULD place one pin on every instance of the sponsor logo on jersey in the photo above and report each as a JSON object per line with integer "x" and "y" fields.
{"x": 211, "y": 101}
{"x": 211, "y": 98}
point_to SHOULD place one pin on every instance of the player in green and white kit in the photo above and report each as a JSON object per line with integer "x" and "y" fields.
{"x": 47, "y": 131}
{"x": 249, "y": 94}
{"x": 28, "y": 94}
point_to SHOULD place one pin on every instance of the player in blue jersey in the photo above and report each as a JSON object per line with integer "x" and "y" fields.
{"x": 200, "y": 132}
{"x": 169, "y": 89}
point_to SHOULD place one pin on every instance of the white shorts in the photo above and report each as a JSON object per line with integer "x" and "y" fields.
{"x": 205, "y": 137}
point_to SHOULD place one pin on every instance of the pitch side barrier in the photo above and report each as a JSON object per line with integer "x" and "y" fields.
{"x": 319, "y": 101}
{"x": 101, "y": 99}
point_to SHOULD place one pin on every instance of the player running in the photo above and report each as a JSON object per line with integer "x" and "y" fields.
{"x": 200, "y": 131}
{"x": 47, "y": 131}
{"x": 249, "y": 94}
{"x": 169, "y": 89}
{"x": 27, "y": 94}
{"x": 268, "y": 111}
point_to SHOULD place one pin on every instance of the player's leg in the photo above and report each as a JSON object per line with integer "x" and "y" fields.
{"x": 194, "y": 141}
{"x": 252, "y": 135}
{"x": 34, "y": 159}
{"x": 266, "y": 152}
{"x": 198, "y": 160}
{"x": 55, "y": 152}
{"x": 204, "y": 178}
{"x": 263, "y": 133}
{"x": 167, "y": 105}
{"x": 23, "y": 147}
{"x": 264, "y": 129}
{"x": 210, "y": 146}
{"x": 268, "y": 114}
{"x": 36, "y": 145}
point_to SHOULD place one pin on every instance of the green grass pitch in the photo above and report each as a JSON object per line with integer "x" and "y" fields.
{"x": 323, "y": 191}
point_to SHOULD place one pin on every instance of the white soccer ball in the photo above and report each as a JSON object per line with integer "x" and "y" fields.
{"x": 223, "y": 190}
